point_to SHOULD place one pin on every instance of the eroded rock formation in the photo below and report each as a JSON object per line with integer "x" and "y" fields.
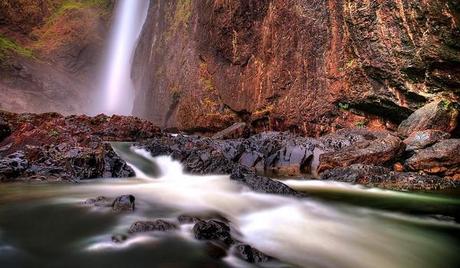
{"x": 308, "y": 66}
{"x": 50, "y": 53}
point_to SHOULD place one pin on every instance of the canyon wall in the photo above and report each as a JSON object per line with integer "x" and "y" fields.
{"x": 50, "y": 52}
{"x": 310, "y": 66}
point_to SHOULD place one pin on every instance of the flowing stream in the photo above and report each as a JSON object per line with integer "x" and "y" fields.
{"x": 338, "y": 225}
{"x": 117, "y": 91}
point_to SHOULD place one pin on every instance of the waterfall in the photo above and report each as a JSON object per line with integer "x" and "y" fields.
{"x": 116, "y": 95}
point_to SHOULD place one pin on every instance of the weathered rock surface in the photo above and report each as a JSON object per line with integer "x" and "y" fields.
{"x": 213, "y": 230}
{"x": 250, "y": 254}
{"x": 440, "y": 115}
{"x": 58, "y": 45}
{"x": 422, "y": 139}
{"x": 124, "y": 203}
{"x": 307, "y": 66}
{"x": 70, "y": 148}
{"x": 443, "y": 158}
{"x": 100, "y": 201}
{"x": 359, "y": 147}
{"x": 150, "y": 226}
{"x": 381, "y": 177}
{"x": 5, "y": 130}
{"x": 237, "y": 130}
{"x": 12, "y": 166}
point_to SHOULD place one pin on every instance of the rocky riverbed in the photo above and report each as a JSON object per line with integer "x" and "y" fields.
{"x": 422, "y": 155}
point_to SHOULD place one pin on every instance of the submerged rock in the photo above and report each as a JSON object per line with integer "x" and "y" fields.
{"x": 100, "y": 201}
{"x": 150, "y": 226}
{"x": 124, "y": 203}
{"x": 438, "y": 115}
{"x": 250, "y": 254}
{"x": 381, "y": 177}
{"x": 213, "y": 230}
{"x": 186, "y": 219}
{"x": 215, "y": 250}
{"x": 422, "y": 139}
{"x": 443, "y": 158}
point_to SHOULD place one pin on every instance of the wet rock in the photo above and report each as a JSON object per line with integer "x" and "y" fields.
{"x": 237, "y": 130}
{"x": 100, "y": 201}
{"x": 291, "y": 160}
{"x": 381, "y": 177}
{"x": 213, "y": 230}
{"x": 262, "y": 184}
{"x": 13, "y": 166}
{"x": 250, "y": 254}
{"x": 215, "y": 250}
{"x": 114, "y": 166}
{"x": 5, "y": 129}
{"x": 124, "y": 203}
{"x": 438, "y": 115}
{"x": 422, "y": 139}
{"x": 119, "y": 238}
{"x": 443, "y": 158}
{"x": 186, "y": 219}
{"x": 150, "y": 226}
{"x": 359, "y": 147}
{"x": 72, "y": 148}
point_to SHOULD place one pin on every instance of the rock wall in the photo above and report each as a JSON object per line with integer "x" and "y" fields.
{"x": 50, "y": 52}
{"x": 310, "y": 66}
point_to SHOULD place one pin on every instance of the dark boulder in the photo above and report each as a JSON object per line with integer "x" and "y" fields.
{"x": 186, "y": 219}
{"x": 381, "y": 177}
{"x": 100, "y": 201}
{"x": 13, "y": 166}
{"x": 262, "y": 184}
{"x": 215, "y": 250}
{"x": 213, "y": 230}
{"x": 250, "y": 254}
{"x": 119, "y": 238}
{"x": 443, "y": 158}
{"x": 150, "y": 226}
{"x": 438, "y": 115}
{"x": 5, "y": 129}
{"x": 124, "y": 203}
{"x": 359, "y": 146}
{"x": 422, "y": 139}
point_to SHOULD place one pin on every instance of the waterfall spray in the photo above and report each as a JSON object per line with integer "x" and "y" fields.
{"x": 117, "y": 90}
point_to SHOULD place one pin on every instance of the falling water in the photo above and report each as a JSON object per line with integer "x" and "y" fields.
{"x": 117, "y": 92}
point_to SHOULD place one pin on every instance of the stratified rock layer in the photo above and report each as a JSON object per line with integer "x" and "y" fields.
{"x": 302, "y": 65}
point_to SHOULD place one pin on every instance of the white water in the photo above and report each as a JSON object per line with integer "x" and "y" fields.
{"x": 116, "y": 94}
{"x": 303, "y": 232}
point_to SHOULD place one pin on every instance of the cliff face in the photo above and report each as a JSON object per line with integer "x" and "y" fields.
{"x": 309, "y": 66}
{"x": 50, "y": 52}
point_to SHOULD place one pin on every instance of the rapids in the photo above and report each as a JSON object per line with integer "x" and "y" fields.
{"x": 339, "y": 225}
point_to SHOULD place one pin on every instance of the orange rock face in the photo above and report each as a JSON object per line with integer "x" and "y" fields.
{"x": 307, "y": 66}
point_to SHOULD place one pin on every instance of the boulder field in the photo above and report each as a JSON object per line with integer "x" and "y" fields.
{"x": 51, "y": 147}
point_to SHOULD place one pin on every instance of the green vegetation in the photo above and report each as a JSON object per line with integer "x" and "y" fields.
{"x": 362, "y": 123}
{"x": 344, "y": 106}
{"x": 181, "y": 16}
{"x": 8, "y": 46}
{"x": 79, "y": 4}
{"x": 445, "y": 104}
{"x": 54, "y": 133}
